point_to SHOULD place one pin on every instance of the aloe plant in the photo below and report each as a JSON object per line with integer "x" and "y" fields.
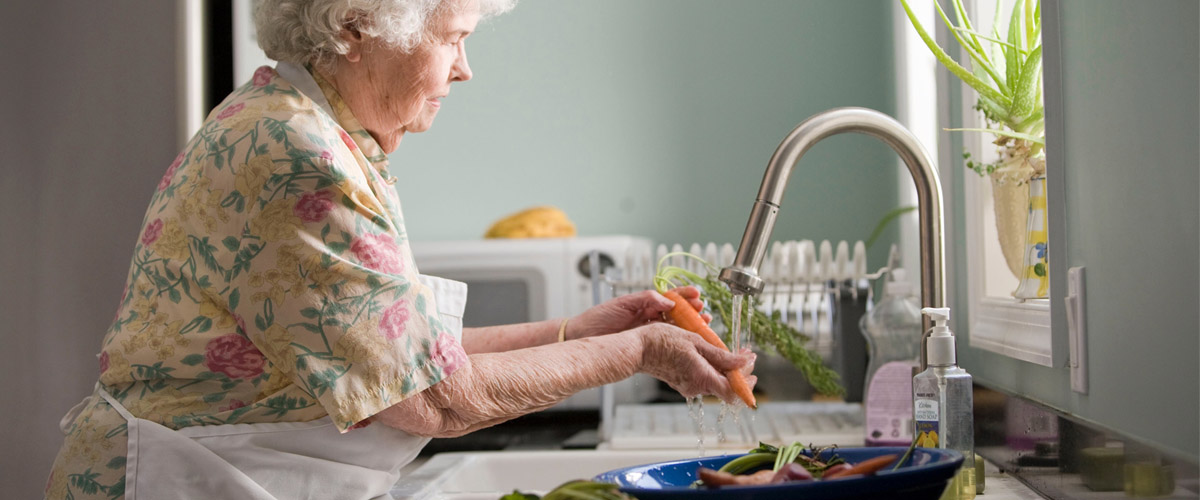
{"x": 1006, "y": 72}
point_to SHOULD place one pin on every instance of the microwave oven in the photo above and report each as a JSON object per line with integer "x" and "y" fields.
{"x": 523, "y": 280}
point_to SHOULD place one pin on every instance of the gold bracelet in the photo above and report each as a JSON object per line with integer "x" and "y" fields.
{"x": 562, "y": 330}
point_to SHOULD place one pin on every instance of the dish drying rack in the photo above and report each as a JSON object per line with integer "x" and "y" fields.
{"x": 817, "y": 288}
{"x": 820, "y": 289}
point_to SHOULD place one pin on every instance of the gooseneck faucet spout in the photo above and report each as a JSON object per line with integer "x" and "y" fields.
{"x": 742, "y": 275}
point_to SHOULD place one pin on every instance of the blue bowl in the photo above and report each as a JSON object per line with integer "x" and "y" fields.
{"x": 922, "y": 477}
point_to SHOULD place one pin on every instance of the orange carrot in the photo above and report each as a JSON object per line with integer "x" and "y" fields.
{"x": 869, "y": 466}
{"x": 689, "y": 319}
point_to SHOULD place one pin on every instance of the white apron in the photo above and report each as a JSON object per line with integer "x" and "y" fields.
{"x": 270, "y": 461}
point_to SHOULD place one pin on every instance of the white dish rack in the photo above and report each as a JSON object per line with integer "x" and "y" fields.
{"x": 803, "y": 280}
{"x": 676, "y": 426}
{"x": 820, "y": 289}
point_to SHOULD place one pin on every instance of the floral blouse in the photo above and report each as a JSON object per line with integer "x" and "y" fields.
{"x": 272, "y": 282}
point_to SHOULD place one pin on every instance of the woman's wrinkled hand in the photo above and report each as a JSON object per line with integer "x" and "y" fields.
{"x": 690, "y": 365}
{"x": 630, "y": 311}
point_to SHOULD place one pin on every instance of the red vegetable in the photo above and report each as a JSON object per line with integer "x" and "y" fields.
{"x": 791, "y": 472}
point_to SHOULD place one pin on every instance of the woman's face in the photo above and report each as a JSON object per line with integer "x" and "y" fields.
{"x": 391, "y": 92}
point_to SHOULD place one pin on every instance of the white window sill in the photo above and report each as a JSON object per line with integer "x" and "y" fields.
{"x": 1013, "y": 328}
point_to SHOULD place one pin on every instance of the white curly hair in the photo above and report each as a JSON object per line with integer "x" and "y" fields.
{"x": 307, "y": 31}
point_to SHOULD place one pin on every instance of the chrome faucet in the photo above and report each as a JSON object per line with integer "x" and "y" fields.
{"x": 742, "y": 277}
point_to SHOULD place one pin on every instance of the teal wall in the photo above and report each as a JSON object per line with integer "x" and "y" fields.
{"x": 657, "y": 118}
{"x": 1128, "y": 165}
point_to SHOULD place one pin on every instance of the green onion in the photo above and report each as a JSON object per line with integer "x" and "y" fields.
{"x": 788, "y": 455}
{"x": 748, "y": 462}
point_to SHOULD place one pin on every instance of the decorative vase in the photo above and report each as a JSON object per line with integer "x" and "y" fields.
{"x": 1010, "y": 198}
{"x": 1010, "y": 201}
{"x": 1035, "y": 265}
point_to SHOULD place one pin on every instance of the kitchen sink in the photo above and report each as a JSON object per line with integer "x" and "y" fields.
{"x": 490, "y": 474}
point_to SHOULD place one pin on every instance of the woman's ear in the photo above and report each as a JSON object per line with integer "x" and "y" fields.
{"x": 353, "y": 37}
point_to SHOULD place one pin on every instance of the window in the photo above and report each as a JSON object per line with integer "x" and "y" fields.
{"x": 998, "y": 322}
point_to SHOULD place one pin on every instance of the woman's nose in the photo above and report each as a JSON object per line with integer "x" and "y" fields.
{"x": 462, "y": 70}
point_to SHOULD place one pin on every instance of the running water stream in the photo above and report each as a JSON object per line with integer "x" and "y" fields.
{"x": 728, "y": 411}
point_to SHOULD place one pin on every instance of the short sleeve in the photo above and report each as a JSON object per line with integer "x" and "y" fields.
{"x": 324, "y": 285}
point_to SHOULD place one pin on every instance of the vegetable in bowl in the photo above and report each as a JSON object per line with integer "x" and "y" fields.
{"x": 790, "y": 463}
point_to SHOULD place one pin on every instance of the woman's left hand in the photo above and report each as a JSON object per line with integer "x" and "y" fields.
{"x": 630, "y": 311}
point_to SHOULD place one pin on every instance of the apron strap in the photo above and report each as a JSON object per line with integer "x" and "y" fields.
{"x": 113, "y": 402}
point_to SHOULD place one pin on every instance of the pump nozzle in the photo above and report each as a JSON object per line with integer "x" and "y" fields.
{"x": 937, "y": 314}
{"x": 940, "y": 346}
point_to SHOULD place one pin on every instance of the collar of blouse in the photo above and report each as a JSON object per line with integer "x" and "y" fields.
{"x": 370, "y": 149}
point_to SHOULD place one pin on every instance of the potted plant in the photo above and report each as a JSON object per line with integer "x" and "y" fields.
{"x": 1006, "y": 72}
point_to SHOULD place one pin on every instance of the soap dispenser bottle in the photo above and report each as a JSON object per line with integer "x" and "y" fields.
{"x": 893, "y": 332}
{"x": 942, "y": 404}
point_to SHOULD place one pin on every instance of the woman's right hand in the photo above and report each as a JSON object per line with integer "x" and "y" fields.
{"x": 690, "y": 365}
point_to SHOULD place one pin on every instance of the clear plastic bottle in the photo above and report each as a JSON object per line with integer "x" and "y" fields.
{"x": 942, "y": 404}
{"x": 893, "y": 332}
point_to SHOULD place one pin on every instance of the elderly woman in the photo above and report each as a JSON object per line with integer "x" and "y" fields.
{"x": 275, "y": 339}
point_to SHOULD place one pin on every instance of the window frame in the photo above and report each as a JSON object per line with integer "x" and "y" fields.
{"x": 1020, "y": 329}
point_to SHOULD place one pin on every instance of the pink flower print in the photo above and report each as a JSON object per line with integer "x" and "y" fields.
{"x": 448, "y": 353}
{"x": 327, "y": 155}
{"x": 378, "y": 252}
{"x": 346, "y": 139}
{"x": 313, "y": 207}
{"x": 391, "y": 323}
{"x": 151, "y": 234}
{"x": 233, "y": 355}
{"x": 166, "y": 179}
{"x": 230, "y": 110}
{"x": 233, "y": 405}
{"x": 262, "y": 76}
{"x": 103, "y": 362}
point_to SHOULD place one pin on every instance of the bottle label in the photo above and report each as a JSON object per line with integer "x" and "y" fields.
{"x": 889, "y": 409}
{"x": 926, "y": 415}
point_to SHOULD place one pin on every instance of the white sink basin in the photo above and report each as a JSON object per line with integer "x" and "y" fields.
{"x": 488, "y": 475}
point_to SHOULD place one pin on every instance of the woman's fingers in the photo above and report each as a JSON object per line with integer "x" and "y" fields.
{"x": 692, "y": 294}
{"x": 724, "y": 360}
{"x": 692, "y": 366}
{"x": 749, "y": 366}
